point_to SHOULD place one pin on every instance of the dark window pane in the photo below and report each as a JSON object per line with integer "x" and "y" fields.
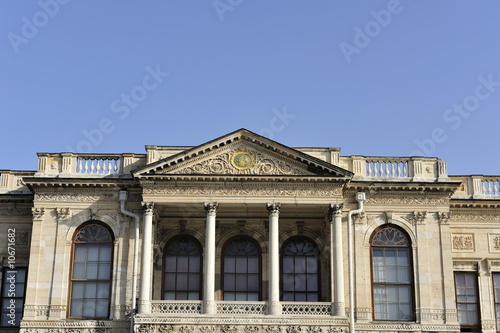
{"x": 253, "y": 265}
{"x": 169, "y": 281}
{"x": 288, "y": 282}
{"x": 194, "y": 282}
{"x": 241, "y": 282}
{"x": 194, "y": 264}
{"x": 288, "y": 265}
{"x": 182, "y": 264}
{"x": 170, "y": 263}
{"x": 241, "y": 265}
{"x": 300, "y": 282}
{"x": 181, "y": 281}
{"x": 230, "y": 264}
{"x": 300, "y": 264}
{"x": 312, "y": 282}
{"x": 229, "y": 282}
{"x": 312, "y": 297}
{"x": 253, "y": 282}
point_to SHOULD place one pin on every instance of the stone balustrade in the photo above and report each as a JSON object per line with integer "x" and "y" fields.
{"x": 395, "y": 168}
{"x": 88, "y": 165}
{"x": 12, "y": 181}
{"x": 477, "y": 187}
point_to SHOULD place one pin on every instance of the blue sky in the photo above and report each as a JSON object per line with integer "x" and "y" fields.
{"x": 376, "y": 78}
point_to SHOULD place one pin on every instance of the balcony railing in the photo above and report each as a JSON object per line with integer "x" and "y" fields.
{"x": 477, "y": 187}
{"x": 242, "y": 308}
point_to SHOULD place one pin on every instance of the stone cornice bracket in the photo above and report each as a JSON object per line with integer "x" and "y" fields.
{"x": 211, "y": 208}
{"x": 334, "y": 210}
{"x": 63, "y": 213}
{"x": 484, "y": 267}
{"x": 148, "y": 208}
{"x": 241, "y": 225}
{"x": 300, "y": 227}
{"x": 388, "y": 216}
{"x": 38, "y": 213}
{"x": 444, "y": 218}
{"x": 273, "y": 208}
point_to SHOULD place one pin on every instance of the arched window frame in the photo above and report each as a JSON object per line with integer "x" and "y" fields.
{"x": 223, "y": 264}
{"x": 199, "y": 273}
{"x": 86, "y": 281}
{"x": 317, "y": 280}
{"x": 406, "y": 245}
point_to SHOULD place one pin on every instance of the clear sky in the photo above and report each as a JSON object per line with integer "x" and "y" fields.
{"x": 376, "y": 78}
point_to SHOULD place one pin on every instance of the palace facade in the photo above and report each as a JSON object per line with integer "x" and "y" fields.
{"x": 243, "y": 234}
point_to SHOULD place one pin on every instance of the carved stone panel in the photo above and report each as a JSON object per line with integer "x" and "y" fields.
{"x": 463, "y": 242}
{"x": 494, "y": 243}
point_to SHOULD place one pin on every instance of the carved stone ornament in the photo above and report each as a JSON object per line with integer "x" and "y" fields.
{"x": 15, "y": 209}
{"x": 211, "y": 207}
{"x": 463, "y": 242}
{"x": 72, "y": 197}
{"x": 294, "y": 329}
{"x": 148, "y": 207}
{"x": 273, "y": 329}
{"x": 241, "y": 159}
{"x": 444, "y": 218}
{"x": 494, "y": 242}
{"x": 22, "y": 238}
{"x": 251, "y": 329}
{"x": 273, "y": 208}
{"x": 207, "y": 329}
{"x": 38, "y": 213}
{"x": 228, "y": 329}
{"x": 63, "y": 214}
{"x": 335, "y": 210}
{"x": 418, "y": 217}
{"x": 407, "y": 200}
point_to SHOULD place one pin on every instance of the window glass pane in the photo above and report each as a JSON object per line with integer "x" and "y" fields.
{"x": 169, "y": 281}
{"x": 469, "y": 280}
{"x": 103, "y": 290}
{"x": 229, "y": 296}
{"x": 378, "y": 256}
{"x": 194, "y": 264}
{"x": 287, "y": 264}
{"x": 312, "y": 264}
{"x": 403, "y": 258}
{"x": 88, "y": 308}
{"x": 288, "y": 282}
{"x": 253, "y": 282}
{"x": 181, "y": 281}
{"x": 393, "y": 311}
{"x": 76, "y": 308}
{"x": 170, "y": 262}
{"x": 253, "y": 264}
{"x": 180, "y": 295}
{"x": 101, "y": 308}
{"x": 378, "y": 274}
{"x": 193, "y": 296}
{"x": 391, "y": 274}
{"x": 241, "y": 264}
{"x": 79, "y": 271}
{"x": 405, "y": 311}
{"x": 194, "y": 282}
{"x": 312, "y": 297}
{"x": 498, "y": 316}
{"x": 380, "y": 311}
{"x": 473, "y": 317}
{"x": 91, "y": 272}
{"x": 241, "y": 282}
{"x": 379, "y": 293}
{"x": 392, "y": 293}
{"x": 80, "y": 252}
{"x": 229, "y": 265}
{"x": 312, "y": 282}
{"x": 390, "y": 256}
{"x": 300, "y": 282}
{"x": 404, "y": 294}
{"x": 288, "y": 297}
{"x": 104, "y": 271}
{"x": 92, "y": 252}
{"x": 253, "y": 297}
{"x": 240, "y": 296}
{"x": 460, "y": 280}
{"x": 300, "y": 264}
{"x": 90, "y": 290}
{"x": 105, "y": 252}
{"x": 404, "y": 274}
{"x": 182, "y": 263}
{"x": 77, "y": 290}
{"x": 300, "y": 297}
{"x": 169, "y": 295}
{"x": 229, "y": 282}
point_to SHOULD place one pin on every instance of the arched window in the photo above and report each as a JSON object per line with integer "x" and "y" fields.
{"x": 182, "y": 269}
{"x": 91, "y": 271}
{"x": 241, "y": 270}
{"x": 392, "y": 275}
{"x": 300, "y": 271}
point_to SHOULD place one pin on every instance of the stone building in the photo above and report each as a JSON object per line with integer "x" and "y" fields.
{"x": 243, "y": 234}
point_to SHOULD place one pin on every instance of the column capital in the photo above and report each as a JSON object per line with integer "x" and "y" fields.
{"x": 38, "y": 213}
{"x": 148, "y": 208}
{"x": 273, "y": 208}
{"x": 335, "y": 210}
{"x": 211, "y": 207}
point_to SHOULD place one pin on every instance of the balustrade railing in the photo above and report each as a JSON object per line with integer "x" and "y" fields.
{"x": 98, "y": 165}
{"x": 386, "y": 167}
{"x": 227, "y": 307}
{"x": 306, "y": 309}
{"x": 176, "y": 307}
{"x": 490, "y": 186}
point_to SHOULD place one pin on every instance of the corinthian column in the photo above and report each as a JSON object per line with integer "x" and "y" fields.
{"x": 274, "y": 271}
{"x": 147, "y": 232}
{"x": 209, "y": 278}
{"x": 335, "y": 214}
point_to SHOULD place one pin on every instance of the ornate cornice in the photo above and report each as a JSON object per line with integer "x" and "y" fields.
{"x": 72, "y": 197}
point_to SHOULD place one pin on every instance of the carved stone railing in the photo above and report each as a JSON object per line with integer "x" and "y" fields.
{"x": 231, "y": 307}
{"x": 176, "y": 307}
{"x": 477, "y": 187}
{"x": 306, "y": 309}
{"x": 395, "y": 168}
{"x": 88, "y": 165}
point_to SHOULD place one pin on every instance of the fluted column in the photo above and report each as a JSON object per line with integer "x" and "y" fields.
{"x": 335, "y": 213}
{"x": 147, "y": 232}
{"x": 274, "y": 305}
{"x": 209, "y": 277}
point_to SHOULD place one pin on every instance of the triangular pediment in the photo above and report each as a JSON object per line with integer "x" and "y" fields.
{"x": 242, "y": 153}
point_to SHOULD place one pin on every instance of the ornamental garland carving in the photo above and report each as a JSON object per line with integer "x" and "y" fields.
{"x": 269, "y": 191}
{"x": 221, "y": 164}
{"x": 463, "y": 242}
{"x": 74, "y": 197}
{"x": 475, "y": 217}
{"x": 396, "y": 200}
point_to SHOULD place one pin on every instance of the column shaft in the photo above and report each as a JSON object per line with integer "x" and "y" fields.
{"x": 209, "y": 277}
{"x": 338, "y": 308}
{"x": 274, "y": 278}
{"x": 145, "y": 286}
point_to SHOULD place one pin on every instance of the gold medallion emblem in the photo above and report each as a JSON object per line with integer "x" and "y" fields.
{"x": 242, "y": 160}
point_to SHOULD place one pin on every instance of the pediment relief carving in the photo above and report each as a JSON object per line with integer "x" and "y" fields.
{"x": 241, "y": 159}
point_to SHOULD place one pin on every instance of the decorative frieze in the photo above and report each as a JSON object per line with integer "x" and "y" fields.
{"x": 407, "y": 200}
{"x": 255, "y": 190}
{"x": 15, "y": 209}
{"x": 494, "y": 243}
{"x": 462, "y": 242}
{"x": 75, "y": 197}
{"x": 475, "y": 217}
